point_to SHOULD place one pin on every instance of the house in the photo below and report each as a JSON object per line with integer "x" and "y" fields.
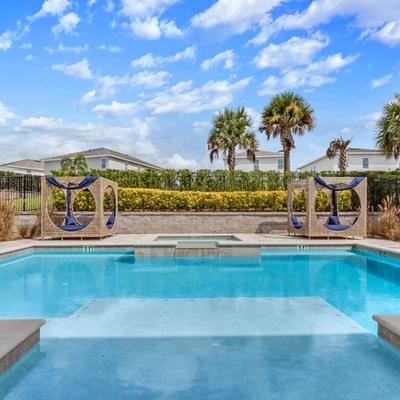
{"x": 101, "y": 158}
{"x": 358, "y": 160}
{"x": 26, "y": 167}
{"x": 265, "y": 161}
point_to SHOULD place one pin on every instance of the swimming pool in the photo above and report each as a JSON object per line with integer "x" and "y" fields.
{"x": 89, "y": 351}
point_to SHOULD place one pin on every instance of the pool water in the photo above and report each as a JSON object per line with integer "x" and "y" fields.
{"x": 59, "y": 284}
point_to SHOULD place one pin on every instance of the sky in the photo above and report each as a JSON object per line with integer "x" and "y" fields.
{"x": 146, "y": 77}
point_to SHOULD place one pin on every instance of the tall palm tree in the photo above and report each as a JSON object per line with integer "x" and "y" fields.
{"x": 231, "y": 129}
{"x": 287, "y": 114}
{"x": 74, "y": 166}
{"x": 339, "y": 145}
{"x": 388, "y": 136}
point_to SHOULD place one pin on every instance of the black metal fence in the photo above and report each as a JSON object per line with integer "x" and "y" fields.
{"x": 20, "y": 191}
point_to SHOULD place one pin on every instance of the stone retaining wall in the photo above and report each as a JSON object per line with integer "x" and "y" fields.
{"x": 193, "y": 222}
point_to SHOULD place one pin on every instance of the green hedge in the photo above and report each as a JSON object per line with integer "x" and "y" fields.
{"x": 172, "y": 200}
{"x": 218, "y": 180}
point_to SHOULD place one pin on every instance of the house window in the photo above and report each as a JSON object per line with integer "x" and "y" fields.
{"x": 365, "y": 162}
{"x": 103, "y": 163}
{"x": 126, "y": 166}
{"x": 29, "y": 171}
{"x": 280, "y": 163}
{"x": 256, "y": 165}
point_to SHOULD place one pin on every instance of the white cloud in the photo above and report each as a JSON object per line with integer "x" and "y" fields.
{"x": 5, "y": 114}
{"x": 237, "y": 15}
{"x": 389, "y": 33}
{"x": 144, "y": 18}
{"x": 371, "y": 120}
{"x": 91, "y": 3}
{"x": 183, "y": 98}
{"x": 46, "y": 133}
{"x": 116, "y": 109}
{"x": 110, "y": 48}
{"x": 150, "y": 80}
{"x": 367, "y": 14}
{"x": 382, "y": 81}
{"x": 25, "y": 46}
{"x": 313, "y": 75}
{"x": 295, "y": 51}
{"x": 150, "y": 61}
{"x": 107, "y": 86}
{"x": 52, "y": 7}
{"x": 80, "y": 70}
{"x": 152, "y": 28}
{"x": 6, "y": 40}
{"x": 347, "y": 130}
{"x": 67, "y": 49}
{"x": 29, "y": 57}
{"x": 226, "y": 58}
{"x": 66, "y": 24}
{"x": 201, "y": 126}
{"x": 176, "y": 161}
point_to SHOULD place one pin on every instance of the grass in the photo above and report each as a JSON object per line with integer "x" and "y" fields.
{"x": 31, "y": 203}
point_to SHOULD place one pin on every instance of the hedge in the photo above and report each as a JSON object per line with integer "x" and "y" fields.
{"x": 169, "y": 200}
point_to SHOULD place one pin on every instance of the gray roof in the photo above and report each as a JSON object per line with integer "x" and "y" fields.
{"x": 104, "y": 151}
{"x": 26, "y": 163}
{"x": 260, "y": 153}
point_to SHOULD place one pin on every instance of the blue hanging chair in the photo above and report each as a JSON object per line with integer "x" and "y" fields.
{"x": 334, "y": 222}
{"x": 70, "y": 223}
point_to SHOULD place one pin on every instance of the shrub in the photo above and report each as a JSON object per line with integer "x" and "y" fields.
{"x": 7, "y": 216}
{"x": 389, "y": 222}
{"x": 162, "y": 200}
{"x": 25, "y": 231}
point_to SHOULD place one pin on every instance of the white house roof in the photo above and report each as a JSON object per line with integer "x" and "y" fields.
{"x": 261, "y": 154}
{"x": 105, "y": 152}
{"x": 350, "y": 150}
{"x": 25, "y": 164}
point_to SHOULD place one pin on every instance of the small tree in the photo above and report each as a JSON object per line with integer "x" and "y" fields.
{"x": 74, "y": 166}
{"x": 287, "y": 114}
{"x": 231, "y": 129}
{"x": 388, "y": 136}
{"x": 339, "y": 145}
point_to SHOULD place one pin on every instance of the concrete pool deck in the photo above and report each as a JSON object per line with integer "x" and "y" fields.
{"x": 247, "y": 245}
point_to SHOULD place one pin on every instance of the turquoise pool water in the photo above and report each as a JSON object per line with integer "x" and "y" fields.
{"x": 242, "y": 365}
{"x": 57, "y": 283}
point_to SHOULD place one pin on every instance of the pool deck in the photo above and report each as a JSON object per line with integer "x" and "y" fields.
{"x": 249, "y": 244}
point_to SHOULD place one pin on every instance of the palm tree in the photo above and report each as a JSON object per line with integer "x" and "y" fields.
{"x": 286, "y": 115}
{"x": 231, "y": 129}
{"x": 74, "y": 166}
{"x": 388, "y": 136}
{"x": 339, "y": 145}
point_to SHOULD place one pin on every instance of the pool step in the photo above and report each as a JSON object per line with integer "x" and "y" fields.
{"x": 17, "y": 336}
{"x": 199, "y": 248}
{"x": 389, "y": 328}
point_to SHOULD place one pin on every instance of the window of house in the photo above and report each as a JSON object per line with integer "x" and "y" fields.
{"x": 29, "y": 171}
{"x": 256, "y": 165}
{"x": 365, "y": 162}
{"x": 126, "y": 165}
{"x": 103, "y": 163}
{"x": 280, "y": 163}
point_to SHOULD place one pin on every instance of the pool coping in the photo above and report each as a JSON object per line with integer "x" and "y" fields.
{"x": 249, "y": 244}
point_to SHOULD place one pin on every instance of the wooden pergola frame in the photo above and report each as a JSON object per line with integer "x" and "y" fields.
{"x": 313, "y": 225}
{"x": 97, "y": 228}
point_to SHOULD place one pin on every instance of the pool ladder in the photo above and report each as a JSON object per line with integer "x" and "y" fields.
{"x": 303, "y": 248}
{"x": 88, "y": 249}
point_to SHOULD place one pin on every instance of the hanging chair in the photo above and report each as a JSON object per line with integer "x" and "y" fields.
{"x": 333, "y": 223}
{"x": 70, "y": 223}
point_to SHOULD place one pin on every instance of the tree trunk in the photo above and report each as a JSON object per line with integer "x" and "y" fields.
{"x": 286, "y": 160}
{"x": 231, "y": 159}
{"x": 343, "y": 160}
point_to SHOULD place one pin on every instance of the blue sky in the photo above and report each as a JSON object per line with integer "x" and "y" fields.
{"x": 146, "y": 77}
